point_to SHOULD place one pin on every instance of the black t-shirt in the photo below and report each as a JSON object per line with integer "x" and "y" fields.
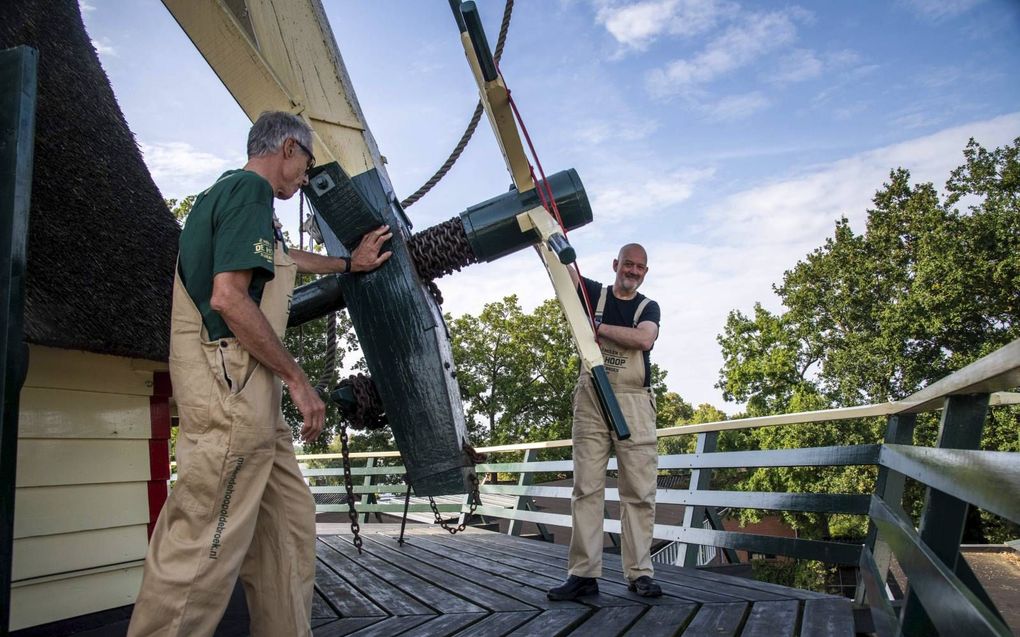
{"x": 621, "y": 313}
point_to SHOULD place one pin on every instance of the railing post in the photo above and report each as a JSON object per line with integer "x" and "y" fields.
{"x": 524, "y": 502}
{"x": 701, "y": 480}
{"x": 899, "y": 430}
{"x": 944, "y": 516}
{"x": 368, "y": 498}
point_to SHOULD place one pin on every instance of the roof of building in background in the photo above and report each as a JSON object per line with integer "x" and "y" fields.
{"x": 102, "y": 243}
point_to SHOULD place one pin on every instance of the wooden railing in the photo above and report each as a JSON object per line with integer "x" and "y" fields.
{"x": 943, "y": 591}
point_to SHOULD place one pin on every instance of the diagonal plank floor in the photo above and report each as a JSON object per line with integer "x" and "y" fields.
{"x": 485, "y": 584}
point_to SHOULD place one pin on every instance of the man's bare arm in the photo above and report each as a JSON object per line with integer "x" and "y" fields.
{"x": 365, "y": 258}
{"x": 248, "y": 323}
{"x": 641, "y": 337}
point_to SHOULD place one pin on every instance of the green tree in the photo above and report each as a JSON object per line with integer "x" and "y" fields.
{"x": 871, "y": 317}
{"x": 309, "y": 345}
{"x": 516, "y": 371}
{"x": 180, "y": 208}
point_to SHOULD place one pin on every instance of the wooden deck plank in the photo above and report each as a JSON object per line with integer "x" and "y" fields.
{"x": 716, "y": 620}
{"x": 550, "y": 623}
{"x": 347, "y": 601}
{"x": 471, "y": 573}
{"x": 321, "y": 608}
{"x": 675, "y": 592}
{"x": 497, "y": 624}
{"x": 386, "y": 548}
{"x": 390, "y": 599}
{"x": 609, "y": 622}
{"x": 827, "y": 617}
{"x": 444, "y": 625}
{"x": 772, "y": 619}
{"x": 392, "y": 626}
{"x": 345, "y": 626}
{"x": 510, "y": 567}
{"x": 437, "y": 598}
{"x": 662, "y": 621}
{"x": 711, "y": 577}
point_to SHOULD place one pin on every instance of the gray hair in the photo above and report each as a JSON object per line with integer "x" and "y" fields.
{"x": 272, "y": 129}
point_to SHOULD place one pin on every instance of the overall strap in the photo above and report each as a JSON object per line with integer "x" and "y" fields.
{"x": 601, "y": 306}
{"x": 640, "y": 308}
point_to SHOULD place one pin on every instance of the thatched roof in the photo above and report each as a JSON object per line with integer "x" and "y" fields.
{"x": 102, "y": 243}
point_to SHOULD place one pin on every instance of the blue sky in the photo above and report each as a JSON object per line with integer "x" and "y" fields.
{"x": 727, "y": 137}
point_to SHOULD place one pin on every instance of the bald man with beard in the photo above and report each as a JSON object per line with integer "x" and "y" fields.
{"x": 627, "y": 324}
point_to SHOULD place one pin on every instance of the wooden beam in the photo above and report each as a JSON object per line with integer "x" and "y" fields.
{"x": 281, "y": 55}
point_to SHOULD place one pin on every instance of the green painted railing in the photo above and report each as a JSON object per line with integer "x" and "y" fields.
{"x": 944, "y": 596}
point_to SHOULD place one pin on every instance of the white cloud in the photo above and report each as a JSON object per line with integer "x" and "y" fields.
{"x": 799, "y": 211}
{"x": 937, "y": 10}
{"x": 796, "y": 66}
{"x": 597, "y": 131}
{"x": 745, "y": 244}
{"x": 179, "y": 169}
{"x": 735, "y": 107}
{"x": 619, "y": 198}
{"x": 636, "y": 25}
{"x": 85, "y": 6}
{"x": 740, "y": 45}
{"x": 104, "y": 47}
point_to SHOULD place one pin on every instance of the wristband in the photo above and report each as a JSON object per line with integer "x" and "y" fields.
{"x": 347, "y": 265}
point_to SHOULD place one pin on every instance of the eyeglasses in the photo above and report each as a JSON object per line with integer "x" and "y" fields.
{"x": 311, "y": 157}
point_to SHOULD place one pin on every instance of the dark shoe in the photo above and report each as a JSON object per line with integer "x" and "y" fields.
{"x": 573, "y": 588}
{"x": 645, "y": 587}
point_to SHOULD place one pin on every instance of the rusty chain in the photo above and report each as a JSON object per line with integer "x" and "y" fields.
{"x": 475, "y": 495}
{"x": 345, "y": 452}
{"x": 367, "y": 412}
{"x": 440, "y": 250}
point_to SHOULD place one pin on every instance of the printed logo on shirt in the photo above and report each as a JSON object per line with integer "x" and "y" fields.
{"x": 264, "y": 248}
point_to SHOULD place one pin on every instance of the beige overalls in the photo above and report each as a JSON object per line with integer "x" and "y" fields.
{"x": 637, "y": 460}
{"x": 240, "y": 505}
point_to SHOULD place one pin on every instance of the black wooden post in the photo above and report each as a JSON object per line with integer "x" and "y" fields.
{"x": 701, "y": 480}
{"x": 17, "y": 136}
{"x": 944, "y": 516}
{"x": 899, "y": 430}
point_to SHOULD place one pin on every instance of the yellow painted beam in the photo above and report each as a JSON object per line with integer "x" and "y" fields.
{"x": 281, "y": 55}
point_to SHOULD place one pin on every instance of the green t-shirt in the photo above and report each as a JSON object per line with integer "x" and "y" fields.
{"x": 229, "y": 228}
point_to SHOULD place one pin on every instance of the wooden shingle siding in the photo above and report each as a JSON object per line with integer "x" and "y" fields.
{"x": 66, "y": 552}
{"x": 82, "y": 504}
{"x": 32, "y": 601}
{"x": 65, "y": 509}
{"x": 64, "y": 413}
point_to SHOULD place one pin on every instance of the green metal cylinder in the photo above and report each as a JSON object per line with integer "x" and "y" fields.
{"x": 492, "y": 227}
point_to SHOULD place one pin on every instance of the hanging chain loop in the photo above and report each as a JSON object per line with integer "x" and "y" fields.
{"x": 345, "y": 451}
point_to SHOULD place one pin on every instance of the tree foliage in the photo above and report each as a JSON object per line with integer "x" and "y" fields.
{"x": 517, "y": 373}
{"x": 870, "y": 317}
{"x": 180, "y": 208}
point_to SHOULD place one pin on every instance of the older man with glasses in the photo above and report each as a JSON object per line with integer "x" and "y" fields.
{"x": 240, "y": 506}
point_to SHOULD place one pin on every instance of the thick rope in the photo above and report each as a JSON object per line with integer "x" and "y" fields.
{"x": 472, "y": 125}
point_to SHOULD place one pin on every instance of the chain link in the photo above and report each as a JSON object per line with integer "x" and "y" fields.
{"x": 440, "y": 250}
{"x": 367, "y": 411}
{"x": 475, "y": 499}
{"x": 345, "y": 452}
